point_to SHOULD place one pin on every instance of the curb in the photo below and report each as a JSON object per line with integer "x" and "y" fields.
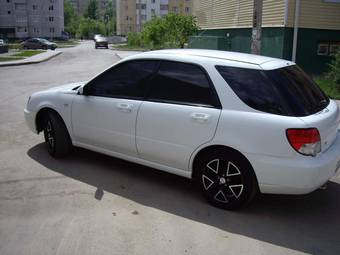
{"x": 30, "y": 62}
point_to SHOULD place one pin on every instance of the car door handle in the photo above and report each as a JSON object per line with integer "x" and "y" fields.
{"x": 124, "y": 107}
{"x": 200, "y": 117}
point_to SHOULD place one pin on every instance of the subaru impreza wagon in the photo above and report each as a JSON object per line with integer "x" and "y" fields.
{"x": 235, "y": 123}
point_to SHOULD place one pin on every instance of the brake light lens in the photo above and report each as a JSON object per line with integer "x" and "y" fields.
{"x": 306, "y": 141}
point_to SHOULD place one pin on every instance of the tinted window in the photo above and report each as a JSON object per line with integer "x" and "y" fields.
{"x": 127, "y": 80}
{"x": 181, "y": 83}
{"x": 285, "y": 91}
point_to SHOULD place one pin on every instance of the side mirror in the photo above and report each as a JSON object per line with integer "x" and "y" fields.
{"x": 84, "y": 90}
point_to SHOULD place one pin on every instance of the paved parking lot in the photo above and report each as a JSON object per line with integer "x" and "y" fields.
{"x": 93, "y": 204}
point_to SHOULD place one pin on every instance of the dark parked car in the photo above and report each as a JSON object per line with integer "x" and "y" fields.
{"x": 101, "y": 41}
{"x": 3, "y": 46}
{"x": 39, "y": 43}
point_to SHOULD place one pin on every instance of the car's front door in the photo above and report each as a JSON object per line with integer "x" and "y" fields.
{"x": 180, "y": 113}
{"x": 106, "y": 117}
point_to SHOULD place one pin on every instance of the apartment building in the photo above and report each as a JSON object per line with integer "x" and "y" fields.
{"x": 317, "y": 24}
{"x": 31, "y": 18}
{"x": 133, "y": 14}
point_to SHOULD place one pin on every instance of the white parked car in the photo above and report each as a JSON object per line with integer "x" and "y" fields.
{"x": 236, "y": 123}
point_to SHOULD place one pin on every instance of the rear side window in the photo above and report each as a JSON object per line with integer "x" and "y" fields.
{"x": 181, "y": 83}
{"x": 127, "y": 80}
{"x": 286, "y": 91}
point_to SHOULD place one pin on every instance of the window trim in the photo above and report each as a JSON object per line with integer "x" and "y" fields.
{"x": 214, "y": 96}
{"x": 117, "y": 66}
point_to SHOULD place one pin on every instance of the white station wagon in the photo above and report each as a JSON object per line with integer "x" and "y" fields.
{"x": 236, "y": 123}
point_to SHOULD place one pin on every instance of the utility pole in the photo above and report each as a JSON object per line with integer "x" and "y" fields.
{"x": 257, "y": 27}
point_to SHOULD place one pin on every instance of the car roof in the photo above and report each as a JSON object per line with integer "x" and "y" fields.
{"x": 264, "y": 62}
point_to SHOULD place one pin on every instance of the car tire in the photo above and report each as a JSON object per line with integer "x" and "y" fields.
{"x": 57, "y": 138}
{"x": 107, "y": 47}
{"x": 44, "y": 47}
{"x": 226, "y": 179}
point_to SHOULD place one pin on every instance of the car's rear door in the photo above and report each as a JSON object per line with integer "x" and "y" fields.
{"x": 180, "y": 113}
{"x": 106, "y": 117}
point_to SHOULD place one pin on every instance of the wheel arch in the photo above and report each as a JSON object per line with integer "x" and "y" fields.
{"x": 202, "y": 151}
{"x": 39, "y": 119}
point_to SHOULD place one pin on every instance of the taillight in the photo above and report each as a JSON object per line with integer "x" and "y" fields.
{"x": 305, "y": 140}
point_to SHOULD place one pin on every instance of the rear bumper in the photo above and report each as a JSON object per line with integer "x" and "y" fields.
{"x": 101, "y": 44}
{"x": 30, "y": 120}
{"x": 296, "y": 176}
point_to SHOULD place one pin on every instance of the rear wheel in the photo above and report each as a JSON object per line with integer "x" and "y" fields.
{"x": 226, "y": 179}
{"x": 56, "y": 136}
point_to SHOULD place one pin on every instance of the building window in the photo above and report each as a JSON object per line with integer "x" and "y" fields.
{"x": 164, "y": 7}
{"x": 127, "y": 17}
{"x": 21, "y": 19}
{"x": 35, "y": 30}
{"x": 9, "y": 12}
{"x": 334, "y": 47}
{"x": 153, "y": 1}
{"x": 50, "y": 19}
{"x": 175, "y": 9}
{"x": 143, "y": 17}
{"x": 50, "y": 8}
{"x": 141, "y": 6}
{"x": 7, "y": 1}
{"x": 51, "y": 29}
{"x": 187, "y": 9}
{"x": 323, "y": 49}
{"x": 20, "y": 7}
{"x": 153, "y": 12}
{"x": 329, "y": 48}
{"x": 35, "y": 7}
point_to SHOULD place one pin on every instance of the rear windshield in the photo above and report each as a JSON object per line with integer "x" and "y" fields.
{"x": 286, "y": 91}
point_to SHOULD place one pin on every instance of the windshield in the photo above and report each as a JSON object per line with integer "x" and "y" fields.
{"x": 286, "y": 91}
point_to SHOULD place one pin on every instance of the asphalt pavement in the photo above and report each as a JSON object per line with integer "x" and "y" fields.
{"x": 89, "y": 203}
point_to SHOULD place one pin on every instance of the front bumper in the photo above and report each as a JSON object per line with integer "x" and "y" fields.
{"x": 30, "y": 120}
{"x": 296, "y": 176}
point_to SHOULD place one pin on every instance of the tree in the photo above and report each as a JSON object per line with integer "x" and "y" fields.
{"x": 92, "y": 10}
{"x": 70, "y": 18}
{"x": 171, "y": 31}
{"x": 88, "y": 27}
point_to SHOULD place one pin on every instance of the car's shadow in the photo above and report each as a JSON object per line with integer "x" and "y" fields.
{"x": 309, "y": 223}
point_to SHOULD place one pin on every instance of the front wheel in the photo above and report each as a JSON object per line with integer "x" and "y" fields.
{"x": 226, "y": 179}
{"x": 56, "y": 136}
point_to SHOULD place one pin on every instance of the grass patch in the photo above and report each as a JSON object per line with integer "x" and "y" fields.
{"x": 127, "y": 47}
{"x": 329, "y": 87}
{"x": 4, "y": 59}
{"x": 28, "y": 53}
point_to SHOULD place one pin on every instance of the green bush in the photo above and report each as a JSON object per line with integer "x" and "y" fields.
{"x": 334, "y": 70}
{"x": 134, "y": 39}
